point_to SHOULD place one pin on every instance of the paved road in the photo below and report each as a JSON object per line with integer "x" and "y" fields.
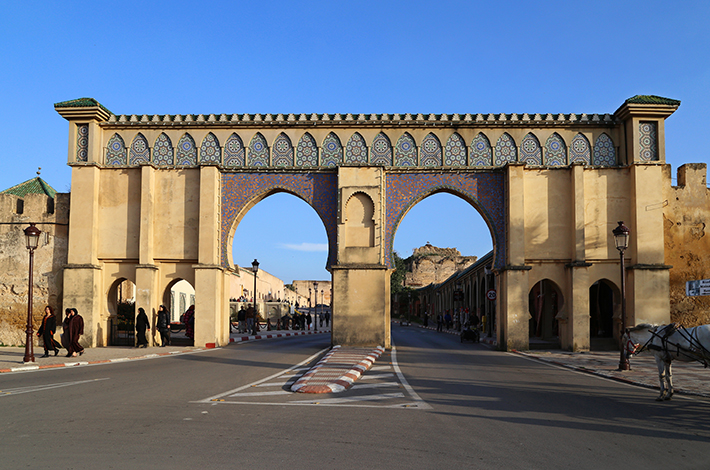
{"x": 431, "y": 403}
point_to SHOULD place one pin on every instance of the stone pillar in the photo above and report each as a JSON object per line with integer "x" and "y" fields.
{"x": 512, "y": 304}
{"x": 576, "y": 311}
{"x": 82, "y": 274}
{"x": 648, "y": 282}
{"x": 147, "y": 294}
{"x": 211, "y": 304}
{"x": 361, "y": 281}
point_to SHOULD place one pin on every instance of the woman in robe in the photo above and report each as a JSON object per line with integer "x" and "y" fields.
{"x": 141, "y": 326}
{"x": 76, "y": 329}
{"x": 46, "y": 331}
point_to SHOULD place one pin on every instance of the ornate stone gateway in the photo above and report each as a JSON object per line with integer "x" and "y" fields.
{"x": 156, "y": 199}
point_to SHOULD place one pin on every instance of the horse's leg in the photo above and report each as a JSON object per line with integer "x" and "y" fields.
{"x": 669, "y": 380}
{"x": 661, "y": 378}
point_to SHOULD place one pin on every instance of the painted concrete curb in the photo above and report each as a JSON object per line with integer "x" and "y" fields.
{"x": 275, "y": 335}
{"x": 361, "y": 363}
{"x": 28, "y": 368}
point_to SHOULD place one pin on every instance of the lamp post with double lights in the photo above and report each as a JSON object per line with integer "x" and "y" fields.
{"x": 315, "y": 315}
{"x": 621, "y": 240}
{"x": 255, "y": 270}
{"x": 32, "y": 234}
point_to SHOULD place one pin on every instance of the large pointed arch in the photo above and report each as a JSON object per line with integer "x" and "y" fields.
{"x": 241, "y": 191}
{"x": 484, "y": 191}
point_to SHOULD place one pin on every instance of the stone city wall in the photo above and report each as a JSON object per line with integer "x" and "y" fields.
{"x": 687, "y": 244}
{"x": 51, "y": 216}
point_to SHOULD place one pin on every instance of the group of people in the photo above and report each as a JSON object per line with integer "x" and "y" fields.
{"x": 162, "y": 325}
{"x": 72, "y": 329}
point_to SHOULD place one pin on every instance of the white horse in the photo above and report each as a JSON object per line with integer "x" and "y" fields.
{"x": 669, "y": 343}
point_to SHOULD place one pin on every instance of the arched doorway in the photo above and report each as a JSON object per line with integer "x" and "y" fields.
{"x": 178, "y": 296}
{"x": 601, "y": 315}
{"x": 121, "y": 305}
{"x": 544, "y": 302}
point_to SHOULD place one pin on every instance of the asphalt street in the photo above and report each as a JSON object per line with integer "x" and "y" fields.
{"x": 431, "y": 402}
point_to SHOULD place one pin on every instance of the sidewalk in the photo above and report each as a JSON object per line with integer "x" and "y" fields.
{"x": 11, "y": 358}
{"x": 689, "y": 378}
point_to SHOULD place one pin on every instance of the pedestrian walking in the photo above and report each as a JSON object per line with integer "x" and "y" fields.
{"x": 142, "y": 325}
{"x": 327, "y": 319}
{"x": 188, "y": 318}
{"x": 309, "y": 319}
{"x": 76, "y": 329}
{"x": 249, "y": 315}
{"x": 439, "y": 322}
{"x": 242, "y": 319}
{"x": 164, "y": 325}
{"x": 46, "y": 331}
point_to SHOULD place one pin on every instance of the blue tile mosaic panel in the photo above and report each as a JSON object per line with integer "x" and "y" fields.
{"x": 405, "y": 151}
{"x": 580, "y": 150}
{"x": 116, "y": 151}
{"x": 332, "y": 151}
{"x": 258, "y": 151}
{"x": 139, "y": 151}
{"x": 555, "y": 151}
{"x": 485, "y": 191}
{"x": 234, "y": 152}
{"x": 356, "y": 150}
{"x": 604, "y": 151}
{"x": 430, "y": 151}
{"x": 239, "y": 190}
{"x": 481, "y": 151}
{"x": 307, "y": 151}
{"x": 530, "y": 151}
{"x": 186, "y": 151}
{"x": 210, "y": 152}
{"x": 282, "y": 151}
{"x": 455, "y": 151}
{"x": 648, "y": 141}
{"x": 163, "y": 153}
{"x": 505, "y": 150}
{"x": 82, "y": 143}
{"x": 381, "y": 153}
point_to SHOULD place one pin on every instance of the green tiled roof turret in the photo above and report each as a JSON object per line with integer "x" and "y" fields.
{"x": 652, "y": 99}
{"x": 33, "y": 186}
{"x": 81, "y": 103}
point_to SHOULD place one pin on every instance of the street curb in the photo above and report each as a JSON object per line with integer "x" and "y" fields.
{"x": 608, "y": 376}
{"x": 278, "y": 335}
{"x": 33, "y": 367}
{"x": 343, "y": 382}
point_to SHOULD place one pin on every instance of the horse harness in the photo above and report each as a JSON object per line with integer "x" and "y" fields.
{"x": 697, "y": 352}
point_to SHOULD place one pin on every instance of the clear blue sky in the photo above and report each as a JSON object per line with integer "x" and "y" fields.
{"x": 358, "y": 57}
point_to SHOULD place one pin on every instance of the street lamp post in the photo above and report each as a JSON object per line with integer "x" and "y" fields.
{"x": 315, "y": 314}
{"x": 255, "y": 270}
{"x": 32, "y": 238}
{"x": 621, "y": 240}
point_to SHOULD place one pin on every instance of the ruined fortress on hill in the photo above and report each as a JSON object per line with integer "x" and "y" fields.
{"x": 431, "y": 265}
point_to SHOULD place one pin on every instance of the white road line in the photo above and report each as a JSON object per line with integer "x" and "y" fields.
{"x": 261, "y": 394}
{"x": 277, "y": 384}
{"x": 271, "y": 377}
{"x": 376, "y": 376}
{"x": 421, "y": 404}
{"x": 331, "y": 401}
{"x": 39, "y": 388}
{"x": 376, "y": 368}
{"x": 378, "y": 385}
